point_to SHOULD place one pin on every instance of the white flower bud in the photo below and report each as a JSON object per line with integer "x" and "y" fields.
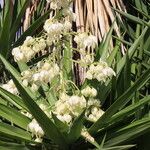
{"x": 89, "y": 92}
{"x": 34, "y": 87}
{"x": 36, "y": 130}
{"x": 87, "y": 136}
{"x": 29, "y": 41}
{"x": 89, "y": 75}
{"x": 66, "y": 118}
{"x": 10, "y": 87}
{"x": 25, "y": 82}
{"x": 39, "y": 140}
{"x": 67, "y": 26}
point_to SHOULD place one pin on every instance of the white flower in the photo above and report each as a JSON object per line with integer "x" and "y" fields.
{"x": 80, "y": 38}
{"x": 96, "y": 113}
{"x": 53, "y": 28}
{"x": 46, "y": 66}
{"x": 28, "y": 52}
{"x": 36, "y": 77}
{"x": 39, "y": 46}
{"x": 83, "y": 40}
{"x": 44, "y": 76}
{"x": 45, "y": 72}
{"x": 56, "y": 69}
{"x": 86, "y": 60}
{"x": 89, "y": 92}
{"x": 18, "y": 54}
{"x": 89, "y": 75}
{"x": 99, "y": 113}
{"x": 27, "y": 114}
{"x": 39, "y": 140}
{"x": 48, "y": 1}
{"x": 26, "y": 73}
{"x": 87, "y": 136}
{"x": 10, "y": 87}
{"x": 100, "y": 71}
{"x": 34, "y": 87}
{"x": 36, "y": 130}
{"x": 76, "y": 104}
{"x": 63, "y": 97}
{"x": 67, "y": 12}
{"x": 93, "y": 102}
{"x": 49, "y": 40}
{"x": 54, "y": 5}
{"x": 23, "y": 53}
{"x": 90, "y": 41}
{"x": 58, "y": 4}
{"x": 67, "y": 26}
{"x": 61, "y": 107}
{"x": 25, "y": 82}
{"x": 66, "y": 118}
{"x": 29, "y": 41}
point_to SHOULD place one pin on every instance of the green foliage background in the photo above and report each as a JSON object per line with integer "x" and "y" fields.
{"x": 126, "y": 99}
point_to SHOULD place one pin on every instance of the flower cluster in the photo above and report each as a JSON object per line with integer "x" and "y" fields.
{"x": 55, "y": 29}
{"x": 65, "y": 6}
{"x": 94, "y": 112}
{"x": 100, "y": 71}
{"x": 84, "y": 40}
{"x": 68, "y": 107}
{"x": 89, "y": 92}
{"x": 10, "y": 87}
{"x": 27, "y": 51}
{"x": 86, "y": 60}
{"x": 57, "y": 4}
{"x": 44, "y": 73}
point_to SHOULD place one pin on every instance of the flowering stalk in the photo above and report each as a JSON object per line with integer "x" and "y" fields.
{"x": 70, "y": 102}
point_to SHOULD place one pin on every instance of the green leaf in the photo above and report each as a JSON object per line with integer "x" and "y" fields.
{"x": 12, "y": 146}
{"x": 14, "y": 99}
{"x": 22, "y": 66}
{"x": 67, "y": 61}
{"x": 19, "y": 147}
{"x": 75, "y": 129}
{"x": 127, "y": 73}
{"x": 14, "y": 132}
{"x": 14, "y": 116}
{"x": 124, "y": 147}
{"x": 132, "y": 18}
{"x": 129, "y": 132}
{"x": 131, "y": 51}
{"x": 17, "y": 21}
{"x": 129, "y": 110}
{"x": 99, "y": 49}
{"x": 106, "y": 45}
{"x": 61, "y": 126}
{"x": 120, "y": 102}
{"x": 5, "y": 31}
{"x": 112, "y": 56}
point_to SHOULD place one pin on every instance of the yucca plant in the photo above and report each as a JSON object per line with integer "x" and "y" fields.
{"x": 43, "y": 108}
